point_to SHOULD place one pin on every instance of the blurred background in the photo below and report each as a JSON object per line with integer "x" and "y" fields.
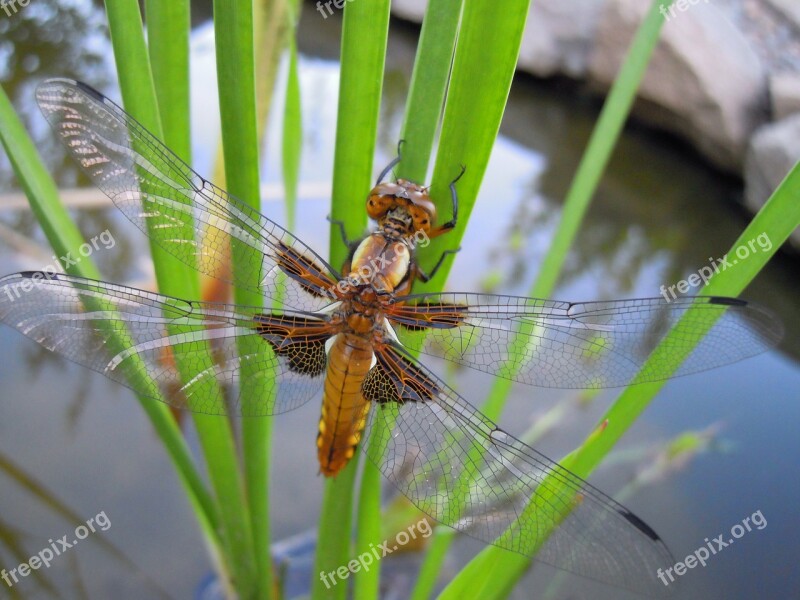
{"x": 70, "y": 438}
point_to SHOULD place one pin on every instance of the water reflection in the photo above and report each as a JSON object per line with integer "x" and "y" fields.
{"x": 21, "y": 545}
{"x": 51, "y": 38}
{"x": 659, "y": 213}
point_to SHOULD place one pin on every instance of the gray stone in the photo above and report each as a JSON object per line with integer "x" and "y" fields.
{"x": 704, "y": 82}
{"x": 790, "y": 9}
{"x": 410, "y": 10}
{"x": 773, "y": 151}
{"x": 559, "y": 37}
{"x": 784, "y": 91}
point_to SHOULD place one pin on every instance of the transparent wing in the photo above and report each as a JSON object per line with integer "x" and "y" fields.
{"x": 183, "y": 213}
{"x": 459, "y": 468}
{"x": 140, "y": 339}
{"x": 585, "y": 344}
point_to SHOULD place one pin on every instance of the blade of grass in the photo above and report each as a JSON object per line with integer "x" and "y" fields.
{"x": 139, "y": 96}
{"x": 176, "y": 279}
{"x": 363, "y": 54}
{"x": 273, "y": 28}
{"x": 598, "y": 153}
{"x": 235, "y": 44}
{"x": 486, "y": 50}
{"x": 431, "y": 568}
{"x": 370, "y": 520}
{"x": 596, "y": 158}
{"x": 64, "y": 237}
{"x": 269, "y": 37}
{"x": 423, "y": 110}
{"x": 483, "y": 68}
{"x": 292, "y": 142}
{"x": 168, "y": 26}
{"x": 366, "y": 583}
{"x": 429, "y": 81}
{"x": 778, "y": 218}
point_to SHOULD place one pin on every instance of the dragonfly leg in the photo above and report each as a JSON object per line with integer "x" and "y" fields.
{"x": 392, "y": 164}
{"x": 425, "y": 277}
{"x": 445, "y": 227}
{"x": 342, "y": 232}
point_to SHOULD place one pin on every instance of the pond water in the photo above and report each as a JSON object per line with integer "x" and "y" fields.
{"x": 659, "y": 215}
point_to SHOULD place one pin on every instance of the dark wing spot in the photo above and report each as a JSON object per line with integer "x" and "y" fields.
{"x": 301, "y": 341}
{"x": 727, "y": 301}
{"x": 395, "y": 378}
{"x": 39, "y": 275}
{"x": 639, "y": 524}
{"x": 306, "y": 359}
{"x": 377, "y": 386}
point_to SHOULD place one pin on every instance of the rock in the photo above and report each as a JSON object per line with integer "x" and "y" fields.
{"x": 559, "y": 37}
{"x": 771, "y": 26}
{"x": 789, "y": 9}
{"x": 784, "y": 91}
{"x": 773, "y": 151}
{"x": 704, "y": 82}
{"x": 410, "y": 10}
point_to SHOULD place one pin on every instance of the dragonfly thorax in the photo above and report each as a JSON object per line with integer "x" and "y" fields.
{"x": 380, "y": 262}
{"x": 364, "y": 309}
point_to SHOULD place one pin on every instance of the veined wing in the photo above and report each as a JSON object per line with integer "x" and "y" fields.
{"x": 138, "y": 338}
{"x": 584, "y": 344}
{"x": 458, "y": 467}
{"x": 183, "y": 213}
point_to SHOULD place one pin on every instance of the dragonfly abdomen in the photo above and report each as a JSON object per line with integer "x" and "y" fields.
{"x": 344, "y": 409}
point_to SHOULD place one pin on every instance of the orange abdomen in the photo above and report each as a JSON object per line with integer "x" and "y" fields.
{"x": 344, "y": 409}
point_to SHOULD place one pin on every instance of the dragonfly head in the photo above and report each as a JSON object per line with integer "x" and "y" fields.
{"x": 403, "y": 202}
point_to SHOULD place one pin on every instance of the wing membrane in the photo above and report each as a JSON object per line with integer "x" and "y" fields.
{"x": 582, "y": 345}
{"x": 136, "y": 338}
{"x": 183, "y": 213}
{"x": 458, "y": 467}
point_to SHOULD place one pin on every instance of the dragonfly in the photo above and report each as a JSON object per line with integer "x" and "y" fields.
{"x": 352, "y": 336}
